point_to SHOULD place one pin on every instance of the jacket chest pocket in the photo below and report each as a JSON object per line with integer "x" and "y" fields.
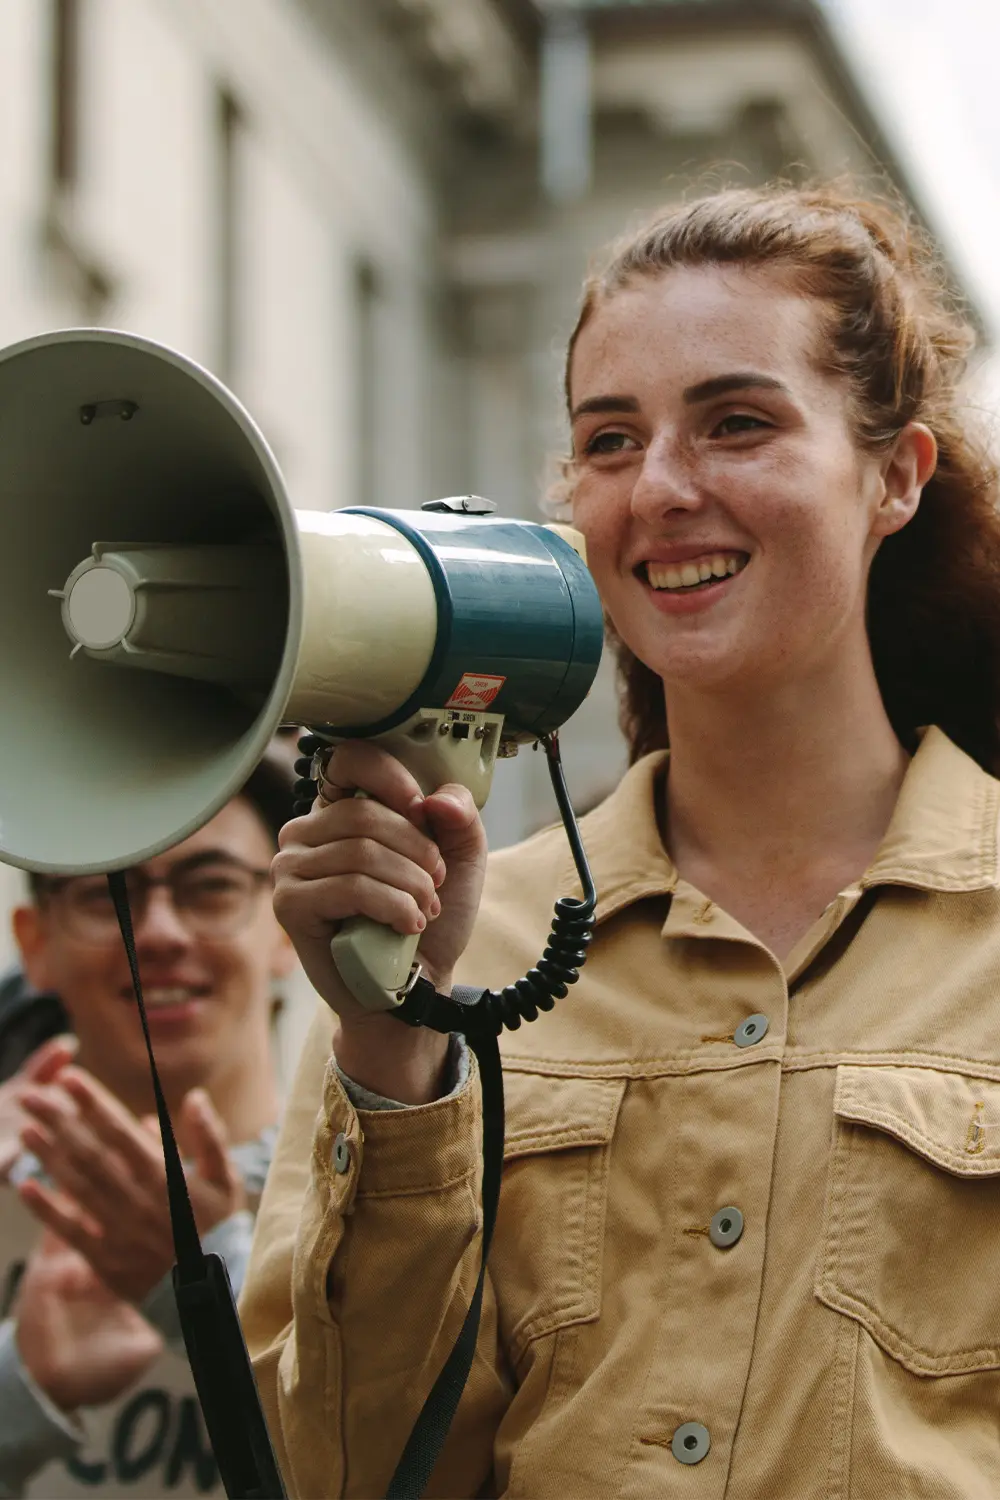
{"x": 548, "y": 1250}
{"x": 911, "y": 1244}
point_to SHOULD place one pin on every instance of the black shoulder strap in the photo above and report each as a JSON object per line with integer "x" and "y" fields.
{"x": 213, "y": 1335}
{"x": 465, "y": 1011}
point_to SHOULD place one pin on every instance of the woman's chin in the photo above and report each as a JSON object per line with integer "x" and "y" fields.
{"x": 696, "y": 666}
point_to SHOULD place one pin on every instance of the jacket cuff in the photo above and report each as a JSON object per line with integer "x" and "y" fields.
{"x": 420, "y": 1148}
{"x": 33, "y": 1431}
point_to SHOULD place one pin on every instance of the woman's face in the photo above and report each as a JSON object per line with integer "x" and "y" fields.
{"x": 730, "y": 517}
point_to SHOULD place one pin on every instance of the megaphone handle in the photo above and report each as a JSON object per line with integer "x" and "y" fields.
{"x": 374, "y": 961}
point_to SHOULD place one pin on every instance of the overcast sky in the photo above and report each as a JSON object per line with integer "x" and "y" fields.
{"x": 931, "y": 69}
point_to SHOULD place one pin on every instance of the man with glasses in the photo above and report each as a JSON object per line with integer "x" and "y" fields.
{"x": 95, "y": 1394}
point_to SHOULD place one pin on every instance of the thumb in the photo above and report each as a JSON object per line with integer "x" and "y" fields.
{"x": 456, "y": 825}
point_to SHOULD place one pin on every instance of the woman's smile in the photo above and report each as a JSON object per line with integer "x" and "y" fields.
{"x": 690, "y": 583}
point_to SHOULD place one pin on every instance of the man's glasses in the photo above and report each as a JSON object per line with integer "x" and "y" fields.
{"x": 214, "y": 898}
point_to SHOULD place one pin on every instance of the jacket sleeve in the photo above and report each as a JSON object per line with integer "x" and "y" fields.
{"x": 359, "y": 1281}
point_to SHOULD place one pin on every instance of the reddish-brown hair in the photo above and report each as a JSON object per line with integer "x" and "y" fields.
{"x": 899, "y": 337}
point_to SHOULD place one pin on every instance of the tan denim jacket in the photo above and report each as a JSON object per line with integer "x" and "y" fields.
{"x": 635, "y": 1343}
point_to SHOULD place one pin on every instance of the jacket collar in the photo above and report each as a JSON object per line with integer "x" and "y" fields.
{"x": 942, "y": 836}
{"x": 943, "y": 832}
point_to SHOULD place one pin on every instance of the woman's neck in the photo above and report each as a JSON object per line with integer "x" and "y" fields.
{"x": 774, "y": 803}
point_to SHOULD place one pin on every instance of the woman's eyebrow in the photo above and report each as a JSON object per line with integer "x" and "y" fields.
{"x": 720, "y": 385}
{"x": 604, "y": 404}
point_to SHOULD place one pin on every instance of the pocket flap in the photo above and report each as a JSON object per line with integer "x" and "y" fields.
{"x": 951, "y": 1119}
{"x": 547, "y": 1113}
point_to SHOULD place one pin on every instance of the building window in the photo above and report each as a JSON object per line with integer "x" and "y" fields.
{"x": 367, "y": 295}
{"x": 65, "y": 95}
{"x": 77, "y": 271}
{"x": 229, "y": 126}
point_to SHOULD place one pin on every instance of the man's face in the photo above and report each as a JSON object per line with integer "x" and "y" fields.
{"x": 209, "y": 949}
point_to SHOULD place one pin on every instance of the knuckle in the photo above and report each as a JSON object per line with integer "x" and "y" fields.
{"x": 288, "y": 836}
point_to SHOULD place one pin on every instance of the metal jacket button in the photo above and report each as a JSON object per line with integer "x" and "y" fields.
{"x": 690, "y": 1443}
{"x": 341, "y": 1154}
{"x": 752, "y": 1031}
{"x": 726, "y": 1228}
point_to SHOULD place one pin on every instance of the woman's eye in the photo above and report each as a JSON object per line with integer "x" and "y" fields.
{"x": 738, "y": 421}
{"x": 608, "y": 442}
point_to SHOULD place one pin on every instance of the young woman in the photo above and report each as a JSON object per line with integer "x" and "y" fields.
{"x": 750, "y": 1216}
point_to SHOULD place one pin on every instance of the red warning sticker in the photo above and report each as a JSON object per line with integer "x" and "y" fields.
{"x": 475, "y": 691}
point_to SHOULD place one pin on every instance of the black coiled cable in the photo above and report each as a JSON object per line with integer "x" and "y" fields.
{"x": 305, "y": 788}
{"x": 572, "y": 921}
{"x": 572, "y": 926}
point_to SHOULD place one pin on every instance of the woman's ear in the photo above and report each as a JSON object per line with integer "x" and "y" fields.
{"x": 905, "y": 470}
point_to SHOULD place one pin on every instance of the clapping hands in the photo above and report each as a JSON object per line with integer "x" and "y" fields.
{"x": 108, "y": 1198}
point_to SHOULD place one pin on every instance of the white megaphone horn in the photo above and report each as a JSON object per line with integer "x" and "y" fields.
{"x": 165, "y": 609}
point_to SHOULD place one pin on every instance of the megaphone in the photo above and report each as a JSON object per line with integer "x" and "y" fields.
{"x": 164, "y": 609}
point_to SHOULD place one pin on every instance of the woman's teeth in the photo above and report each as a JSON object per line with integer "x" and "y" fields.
{"x": 698, "y": 571}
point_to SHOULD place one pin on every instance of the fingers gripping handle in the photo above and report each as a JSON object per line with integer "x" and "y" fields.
{"x": 378, "y": 964}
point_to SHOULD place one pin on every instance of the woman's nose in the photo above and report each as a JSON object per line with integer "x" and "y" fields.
{"x": 665, "y": 482}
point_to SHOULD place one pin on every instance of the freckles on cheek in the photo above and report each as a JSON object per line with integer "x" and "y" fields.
{"x": 601, "y": 525}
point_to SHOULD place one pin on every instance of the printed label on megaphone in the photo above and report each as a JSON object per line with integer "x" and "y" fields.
{"x": 195, "y": 610}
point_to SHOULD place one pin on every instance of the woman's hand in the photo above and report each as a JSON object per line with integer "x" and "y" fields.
{"x": 413, "y": 863}
{"x": 81, "y": 1344}
{"x": 44, "y": 1064}
{"x": 110, "y": 1196}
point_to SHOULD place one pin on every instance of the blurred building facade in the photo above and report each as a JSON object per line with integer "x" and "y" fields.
{"x": 371, "y": 217}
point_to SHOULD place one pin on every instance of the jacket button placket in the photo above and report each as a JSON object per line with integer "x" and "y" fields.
{"x": 721, "y": 1180}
